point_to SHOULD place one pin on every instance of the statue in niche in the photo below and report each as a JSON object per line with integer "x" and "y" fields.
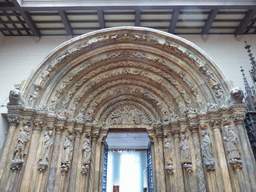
{"x": 185, "y": 149}
{"x": 168, "y": 153}
{"x": 86, "y": 156}
{"x": 230, "y": 140}
{"x": 67, "y": 153}
{"x": 44, "y": 156}
{"x": 21, "y": 148}
{"x": 207, "y": 152}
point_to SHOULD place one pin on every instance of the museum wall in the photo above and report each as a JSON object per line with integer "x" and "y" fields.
{"x": 20, "y": 55}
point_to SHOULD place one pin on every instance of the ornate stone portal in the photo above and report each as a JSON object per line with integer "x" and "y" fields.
{"x": 127, "y": 77}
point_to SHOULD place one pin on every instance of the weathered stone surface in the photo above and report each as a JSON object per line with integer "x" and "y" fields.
{"x": 125, "y": 78}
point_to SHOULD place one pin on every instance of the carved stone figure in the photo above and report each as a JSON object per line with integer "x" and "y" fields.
{"x": 168, "y": 150}
{"x": 44, "y": 156}
{"x": 21, "y": 148}
{"x": 127, "y": 115}
{"x": 231, "y": 144}
{"x": 86, "y": 156}
{"x": 207, "y": 152}
{"x": 67, "y": 153}
{"x": 185, "y": 149}
{"x": 168, "y": 155}
{"x": 212, "y": 106}
{"x": 236, "y": 96}
{"x": 15, "y": 98}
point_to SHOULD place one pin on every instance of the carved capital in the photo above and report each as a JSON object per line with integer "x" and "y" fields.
{"x": 94, "y": 136}
{"x": 238, "y": 118}
{"x": 78, "y": 132}
{"x": 215, "y": 123}
{"x": 13, "y": 119}
{"x": 176, "y": 133}
{"x": 38, "y": 124}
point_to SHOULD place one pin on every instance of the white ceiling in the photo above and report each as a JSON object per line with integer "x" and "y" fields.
{"x": 127, "y": 140}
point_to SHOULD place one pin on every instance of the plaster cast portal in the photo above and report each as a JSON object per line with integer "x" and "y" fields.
{"x": 134, "y": 79}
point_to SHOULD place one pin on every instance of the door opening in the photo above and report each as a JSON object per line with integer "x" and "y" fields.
{"x": 127, "y": 164}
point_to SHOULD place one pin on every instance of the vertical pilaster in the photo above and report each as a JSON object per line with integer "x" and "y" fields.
{"x": 73, "y": 175}
{"x": 179, "y": 172}
{"x": 59, "y": 126}
{"x": 14, "y": 120}
{"x": 159, "y": 135}
{"x": 246, "y": 153}
{"x": 221, "y": 154}
{"x": 31, "y": 160}
{"x": 94, "y": 138}
{"x": 198, "y": 157}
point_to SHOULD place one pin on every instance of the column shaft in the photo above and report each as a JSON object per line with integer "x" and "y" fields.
{"x": 222, "y": 160}
{"x": 30, "y": 163}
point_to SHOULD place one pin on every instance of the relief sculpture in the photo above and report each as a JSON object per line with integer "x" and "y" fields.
{"x": 185, "y": 152}
{"x": 67, "y": 153}
{"x": 21, "y": 148}
{"x": 86, "y": 156}
{"x": 45, "y": 152}
{"x": 127, "y": 115}
{"x": 231, "y": 144}
{"x": 168, "y": 155}
{"x": 207, "y": 152}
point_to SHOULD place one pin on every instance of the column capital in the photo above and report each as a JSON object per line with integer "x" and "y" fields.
{"x": 215, "y": 123}
{"x": 238, "y": 118}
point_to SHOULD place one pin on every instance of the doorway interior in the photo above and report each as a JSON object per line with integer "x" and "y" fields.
{"x": 127, "y": 162}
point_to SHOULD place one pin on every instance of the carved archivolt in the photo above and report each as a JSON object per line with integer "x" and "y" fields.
{"x": 184, "y": 76}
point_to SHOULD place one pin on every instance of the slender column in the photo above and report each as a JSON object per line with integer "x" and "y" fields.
{"x": 159, "y": 134}
{"x": 30, "y": 163}
{"x": 248, "y": 159}
{"x": 72, "y": 182}
{"x": 57, "y": 178}
{"x": 199, "y": 164}
{"x": 151, "y": 137}
{"x": 179, "y": 172}
{"x": 208, "y": 157}
{"x": 168, "y": 156}
{"x": 101, "y": 162}
{"x": 94, "y": 138}
{"x": 13, "y": 122}
{"x": 98, "y": 159}
{"x": 54, "y": 159}
{"x": 154, "y": 148}
{"x": 221, "y": 155}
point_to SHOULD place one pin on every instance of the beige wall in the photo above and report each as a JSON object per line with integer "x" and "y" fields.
{"x": 20, "y": 55}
